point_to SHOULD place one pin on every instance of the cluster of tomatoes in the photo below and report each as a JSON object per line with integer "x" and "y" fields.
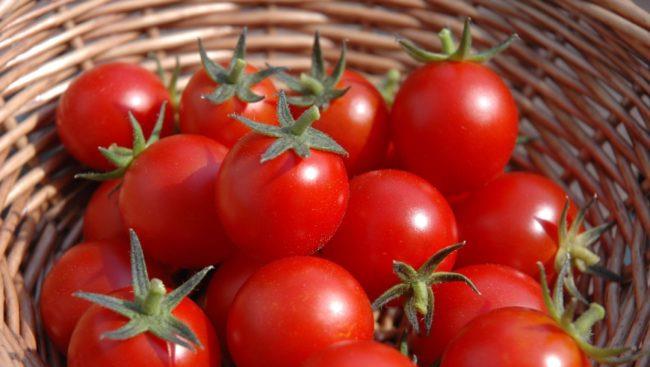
{"x": 313, "y": 203}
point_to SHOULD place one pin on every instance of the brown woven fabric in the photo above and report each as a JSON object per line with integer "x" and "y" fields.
{"x": 580, "y": 76}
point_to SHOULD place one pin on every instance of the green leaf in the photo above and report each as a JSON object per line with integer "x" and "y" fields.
{"x": 129, "y": 330}
{"x": 173, "y": 298}
{"x": 317, "y": 61}
{"x": 139, "y": 274}
{"x": 121, "y": 306}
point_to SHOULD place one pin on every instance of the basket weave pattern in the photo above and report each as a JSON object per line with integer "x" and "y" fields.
{"x": 580, "y": 76}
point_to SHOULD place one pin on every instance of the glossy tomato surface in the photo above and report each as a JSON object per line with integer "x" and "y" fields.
{"x": 392, "y": 215}
{"x": 167, "y": 197}
{"x": 513, "y": 337}
{"x": 282, "y": 207}
{"x": 512, "y": 221}
{"x": 359, "y": 354}
{"x": 456, "y": 304}
{"x": 200, "y": 116}
{"x": 294, "y": 307}
{"x": 102, "y": 219}
{"x": 88, "y": 348}
{"x": 93, "y": 111}
{"x": 98, "y": 267}
{"x": 454, "y": 124}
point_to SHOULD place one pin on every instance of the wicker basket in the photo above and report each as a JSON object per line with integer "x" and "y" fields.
{"x": 580, "y": 77}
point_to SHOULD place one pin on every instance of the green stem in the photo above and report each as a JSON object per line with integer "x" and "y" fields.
{"x": 588, "y": 319}
{"x": 237, "y": 71}
{"x": 584, "y": 254}
{"x": 155, "y": 295}
{"x": 421, "y": 297}
{"x": 447, "y": 40}
{"x": 312, "y": 84}
{"x": 305, "y": 120}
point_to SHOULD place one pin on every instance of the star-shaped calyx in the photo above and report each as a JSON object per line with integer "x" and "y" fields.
{"x": 416, "y": 286}
{"x": 316, "y": 88}
{"x": 151, "y": 308}
{"x": 294, "y": 134}
{"x": 234, "y": 80}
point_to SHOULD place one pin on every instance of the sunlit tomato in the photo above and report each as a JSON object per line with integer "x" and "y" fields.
{"x": 456, "y": 304}
{"x": 512, "y": 221}
{"x": 293, "y": 308}
{"x": 513, "y": 337}
{"x": 89, "y": 348}
{"x": 93, "y": 111}
{"x": 392, "y": 215}
{"x": 167, "y": 197}
{"x": 357, "y": 354}
{"x": 454, "y": 124}
{"x": 102, "y": 219}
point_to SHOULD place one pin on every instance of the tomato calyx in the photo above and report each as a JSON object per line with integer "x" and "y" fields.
{"x": 389, "y": 86}
{"x": 416, "y": 287}
{"x": 316, "y": 88}
{"x": 172, "y": 83}
{"x": 580, "y": 328}
{"x": 122, "y": 157}
{"x": 295, "y": 134}
{"x": 449, "y": 50}
{"x": 234, "y": 80}
{"x": 151, "y": 309}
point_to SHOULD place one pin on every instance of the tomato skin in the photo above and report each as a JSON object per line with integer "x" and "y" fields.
{"x": 93, "y": 111}
{"x": 417, "y": 224}
{"x": 283, "y": 207}
{"x": 359, "y": 353}
{"x": 102, "y": 219}
{"x": 223, "y": 287}
{"x": 294, "y": 307}
{"x": 512, "y": 221}
{"x": 99, "y": 267}
{"x": 454, "y": 124}
{"x": 167, "y": 197}
{"x": 456, "y": 304}
{"x": 87, "y": 348}
{"x": 513, "y": 337}
{"x": 200, "y": 116}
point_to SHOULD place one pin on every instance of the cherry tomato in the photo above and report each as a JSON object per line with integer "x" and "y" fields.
{"x": 285, "y": 206}
{"x": 454, "y": 124}
{"x": 513, "y": 337}
{"x": 89, "y": 348}
{"x": 167, "y": 197}
{"x": 200, "y": 116}
{"x": 294, "y": 307}
{"x": 392, "y": 215}
{"x": 93, "y": 111}
{"x": 223, "y": 288}
{"x": 100, "y": 267}
{"x": 359, "y": 353}
{"x": 456, "y": 304}
{"x": 102, "y": 220}
{"x": 512, "y": 221}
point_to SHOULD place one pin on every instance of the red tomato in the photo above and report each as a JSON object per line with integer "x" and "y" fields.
{"x": 88, "y": 348}
{"x": 93, "y": 111}
{"x": 512, "y": 221}
{"x": 167, "y": 197}
{"x": 102, "y": 220}
{"x": 200, "y": 116}
{"x": 392, "y": 215}
{"x": 99, "y": 267}
{"x": 456, "y": 304}
{"x": 223, "y": 288}
{"x": 293, "y": 308}
{"x": 285, "y": 206}
{"x": 454, "y": 124}
{"x": 357, "y": 354}
{"x": 513, "y": 337}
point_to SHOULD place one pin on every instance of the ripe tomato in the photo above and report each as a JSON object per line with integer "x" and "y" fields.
{"x": 285, "y": 206}
{"x": 91, "y": 266}
{"x": 93, "y": 111}
{"x": 456, "y": 304}
{"x": 294, "y": 307}
{"x": 392, "y": 215}
{"x": 359, "y": 353}
{"x": 223, "y": 288}
{"x": 102, "y": 219}
{"x": 167, "y": 197}
{"x": 512, "y": 221}
{"x": 513, "y": 337}
{"x": 89, "y": 348}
